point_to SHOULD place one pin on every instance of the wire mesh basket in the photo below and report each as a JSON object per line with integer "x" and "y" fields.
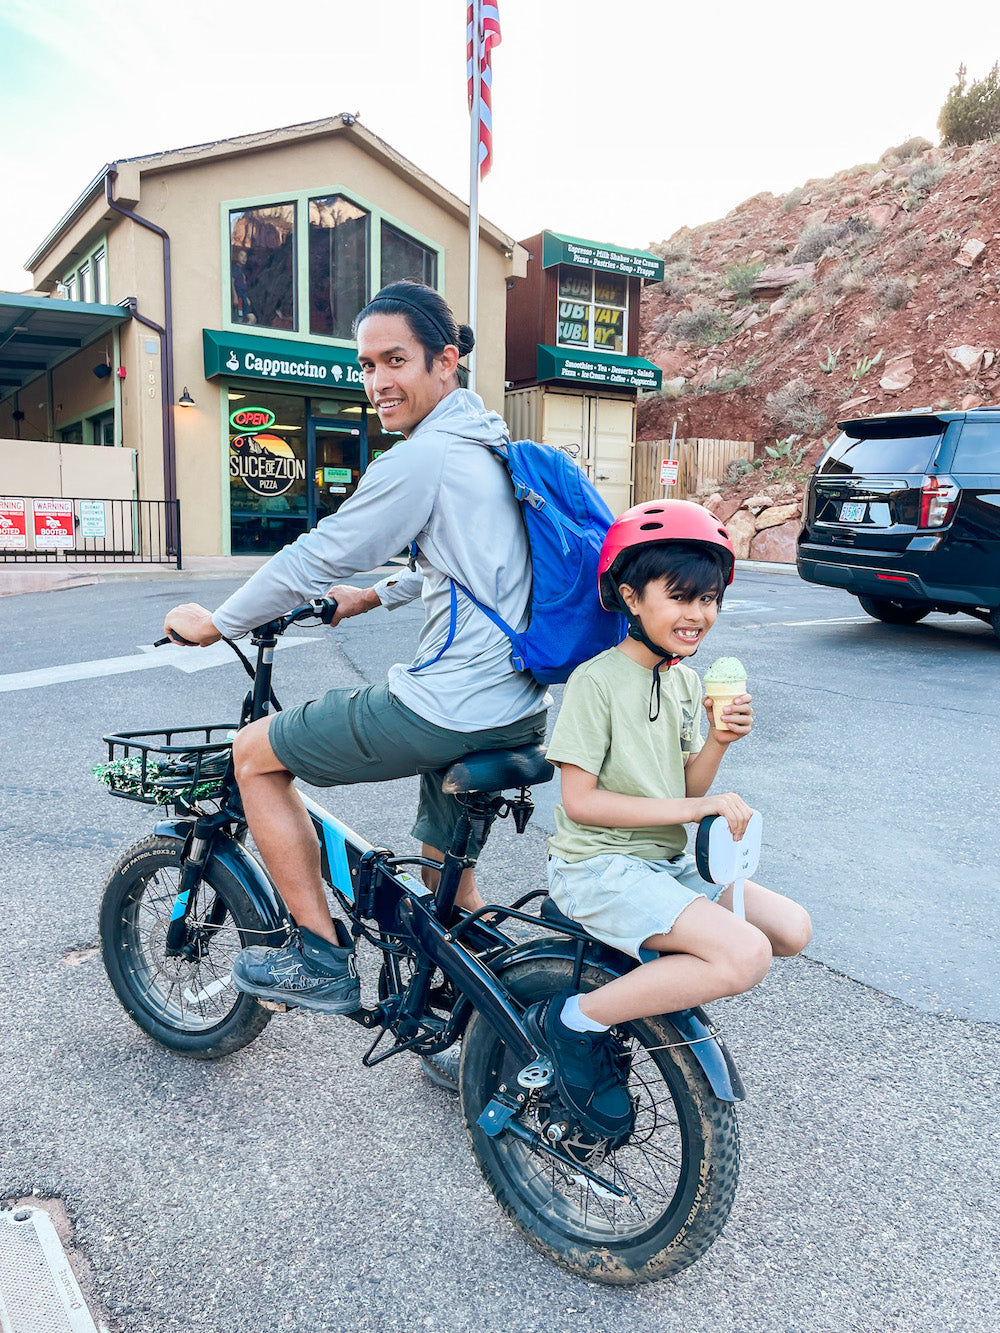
{"x": 179, "y": 764}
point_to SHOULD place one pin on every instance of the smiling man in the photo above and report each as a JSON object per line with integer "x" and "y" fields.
{"x": 441, "y": 489}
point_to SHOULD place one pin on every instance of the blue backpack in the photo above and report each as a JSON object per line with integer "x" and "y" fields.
{"x": 566, "y": 522}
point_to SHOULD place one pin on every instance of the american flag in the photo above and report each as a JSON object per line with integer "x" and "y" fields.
{"x": 490, "y": 38}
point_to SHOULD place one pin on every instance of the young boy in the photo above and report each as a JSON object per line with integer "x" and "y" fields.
{"x": 634, "y": 770}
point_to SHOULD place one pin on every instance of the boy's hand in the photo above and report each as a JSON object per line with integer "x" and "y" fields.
{"x": 738, "y": 715}
{"x": 733, "y": 809}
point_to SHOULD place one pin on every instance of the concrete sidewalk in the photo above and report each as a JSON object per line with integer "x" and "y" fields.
{"x": 51, "y": 577}
{"x": 21, "y": 578}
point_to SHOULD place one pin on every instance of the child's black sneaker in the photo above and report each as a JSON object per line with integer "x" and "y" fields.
{"x": 308, "y": 972}
{"x": 590, "y": 1078}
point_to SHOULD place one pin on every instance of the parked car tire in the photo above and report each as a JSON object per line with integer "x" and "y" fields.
{"x": 894, "y": 613}
{"x": 995, "y": 620}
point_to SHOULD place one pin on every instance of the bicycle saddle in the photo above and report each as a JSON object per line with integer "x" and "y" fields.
{"x": 497, "y": 770}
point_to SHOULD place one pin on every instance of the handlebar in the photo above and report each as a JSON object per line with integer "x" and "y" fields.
{"x": 322, "y": 609}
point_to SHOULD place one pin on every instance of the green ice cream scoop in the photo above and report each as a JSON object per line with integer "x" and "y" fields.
{"x": 725, "y": 671}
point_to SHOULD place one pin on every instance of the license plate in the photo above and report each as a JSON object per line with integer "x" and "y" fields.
{"x": 852, "y": 513}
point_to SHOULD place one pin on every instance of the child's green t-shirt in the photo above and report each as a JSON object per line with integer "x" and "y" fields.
{"x": 603, "y": 727}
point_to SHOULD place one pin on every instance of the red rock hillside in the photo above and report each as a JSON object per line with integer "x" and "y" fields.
{"x": 873, "y": 291}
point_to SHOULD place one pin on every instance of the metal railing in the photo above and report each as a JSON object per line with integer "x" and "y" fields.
{"x": 37, "y": 530}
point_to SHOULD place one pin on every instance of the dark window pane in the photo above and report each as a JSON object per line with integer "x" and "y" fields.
{"x": 262, "y": 266}
{"x": 873, "y": 456}
{"x": 338, "y": 265}
{"x": 403, "y": 257}
{"x": 978, "y": 448}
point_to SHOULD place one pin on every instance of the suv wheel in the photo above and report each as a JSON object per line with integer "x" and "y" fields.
{"x": 995, "y": 620}
{"x": 896, "y": 613}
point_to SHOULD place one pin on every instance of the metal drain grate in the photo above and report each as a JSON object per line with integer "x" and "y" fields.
{"x": 38, "y": 1292}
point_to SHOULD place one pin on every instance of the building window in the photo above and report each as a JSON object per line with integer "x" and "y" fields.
{"x": 262, "y": 266}
{"x": 99, "y": 268}
{"x": 87, "y": 280}
{"x": 404, "y": 257}
{"x": 338, "y": 264}
{"x": 310, "y": 264}
{"x": 593, "y": 309}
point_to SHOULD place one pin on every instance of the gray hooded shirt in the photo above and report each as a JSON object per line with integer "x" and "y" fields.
{"x": 453, "y": 497}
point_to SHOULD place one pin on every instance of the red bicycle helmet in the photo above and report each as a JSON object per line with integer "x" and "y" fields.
{"x": 660, "y": 521}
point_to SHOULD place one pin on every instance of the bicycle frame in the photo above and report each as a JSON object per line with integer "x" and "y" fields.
{"x": 373, "y": 885}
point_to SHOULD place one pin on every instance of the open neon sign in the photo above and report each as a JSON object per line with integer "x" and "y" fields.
{"x": 251, "y": 418}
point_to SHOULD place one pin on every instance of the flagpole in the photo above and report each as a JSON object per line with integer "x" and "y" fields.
{"x": 477, "y": 75}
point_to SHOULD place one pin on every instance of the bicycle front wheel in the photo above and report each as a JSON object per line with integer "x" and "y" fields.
{"x": 187, "y": 1003}
{"x": 677, "y": 1171}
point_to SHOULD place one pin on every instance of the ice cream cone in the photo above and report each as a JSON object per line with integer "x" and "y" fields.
{"x": 722, "y": 695}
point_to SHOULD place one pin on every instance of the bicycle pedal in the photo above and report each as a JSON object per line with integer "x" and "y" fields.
{"x": 277, "y": 1007}
{"x": 538, "y": 1074}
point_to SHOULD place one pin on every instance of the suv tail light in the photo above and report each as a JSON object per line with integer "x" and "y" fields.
{"x": 938, "y": 498}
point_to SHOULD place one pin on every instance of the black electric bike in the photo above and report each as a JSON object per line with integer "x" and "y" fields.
{"x": 180, "y": 904}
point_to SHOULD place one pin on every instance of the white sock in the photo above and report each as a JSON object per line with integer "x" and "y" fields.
{"x": 576, "y": 1020}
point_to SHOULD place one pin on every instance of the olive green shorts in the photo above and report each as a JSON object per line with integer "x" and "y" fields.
{"x": 367, "y": 735}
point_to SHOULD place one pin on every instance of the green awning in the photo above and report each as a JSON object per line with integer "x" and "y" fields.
{"x": 621, "y": 372}
{"x": 281, "y": 361}
{"x": 38, "y": 332}
{"x": 557, "y": 249}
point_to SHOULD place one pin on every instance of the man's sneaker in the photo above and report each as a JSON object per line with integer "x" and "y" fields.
{"x": 442, "y": 1069}
{"x": 307, "y": 971}
{"x": 590, "y": 1079}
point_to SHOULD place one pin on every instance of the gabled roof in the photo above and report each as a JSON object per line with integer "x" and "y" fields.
{"x": 346, "y": 123}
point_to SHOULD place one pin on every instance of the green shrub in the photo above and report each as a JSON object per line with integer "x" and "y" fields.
{"x": 733, "y": 377}
{"x": 971, "y": 112}
{"x": 816, "y": 238}
{"x": 792, "y": 408}
{"x": 740, "y": 278}
{"x": 706, "y": 326}
{"x": 893, "y": 293}
{"x": 926, "y": 178}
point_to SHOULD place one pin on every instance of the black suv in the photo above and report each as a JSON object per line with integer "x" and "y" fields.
{"x": 904, "y": 512}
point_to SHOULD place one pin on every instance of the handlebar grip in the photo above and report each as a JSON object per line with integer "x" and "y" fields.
{"x": 174, "y": 638}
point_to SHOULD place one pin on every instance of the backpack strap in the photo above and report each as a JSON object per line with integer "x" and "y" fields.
{"x": 453, "y": 621}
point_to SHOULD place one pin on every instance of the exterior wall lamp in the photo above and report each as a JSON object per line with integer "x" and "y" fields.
{"x": 185, "y": 400}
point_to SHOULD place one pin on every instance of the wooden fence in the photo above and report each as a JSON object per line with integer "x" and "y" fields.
{"x": 703, "y": 465}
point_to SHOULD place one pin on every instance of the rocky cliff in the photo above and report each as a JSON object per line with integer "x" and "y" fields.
{"x": 876, "y": 290}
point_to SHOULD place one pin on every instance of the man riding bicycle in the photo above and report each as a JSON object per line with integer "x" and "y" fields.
{"x": 440, "y": 488}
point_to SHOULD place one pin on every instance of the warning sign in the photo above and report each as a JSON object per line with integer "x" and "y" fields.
{"x": 13, "y": 524}
{"x": 53, "y": 524}
{"x": 669, "y": 467}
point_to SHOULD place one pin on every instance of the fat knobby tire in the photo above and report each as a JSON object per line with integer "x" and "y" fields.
{"x": 683, "y": 1129}
{"x": 189, "y": 1006}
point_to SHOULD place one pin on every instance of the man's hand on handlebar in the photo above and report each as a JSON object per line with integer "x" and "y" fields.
{"x": 192, "y": 624}
{"x": 352, "y": 601}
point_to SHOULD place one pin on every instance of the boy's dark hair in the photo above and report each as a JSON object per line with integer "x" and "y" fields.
{"x": 428, "y": 315}
{"x": 689, "y": 570}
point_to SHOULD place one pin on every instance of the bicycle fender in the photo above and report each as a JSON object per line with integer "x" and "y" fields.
{"x": 242, "y": 866}
{"x": 693, "y": 1026}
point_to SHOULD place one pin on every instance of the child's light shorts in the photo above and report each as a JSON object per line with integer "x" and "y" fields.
{"x": 622, "y": 900}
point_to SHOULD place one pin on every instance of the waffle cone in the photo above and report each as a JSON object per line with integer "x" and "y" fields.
{"x": 721, "y": 695}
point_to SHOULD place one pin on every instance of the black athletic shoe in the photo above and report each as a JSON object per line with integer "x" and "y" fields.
{"x": 307, "y": 971}
{"x": 590, "y": 1079}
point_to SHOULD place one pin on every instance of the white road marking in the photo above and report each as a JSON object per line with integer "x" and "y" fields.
{"x": 148, "y": 658}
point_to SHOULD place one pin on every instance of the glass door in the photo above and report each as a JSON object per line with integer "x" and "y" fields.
{"x": 338, "y": 456}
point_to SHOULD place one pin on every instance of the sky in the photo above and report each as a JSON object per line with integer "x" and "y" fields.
{"x": 618, "y": 121}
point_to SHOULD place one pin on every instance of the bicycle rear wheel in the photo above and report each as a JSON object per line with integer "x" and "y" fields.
{"x": 679, "y": 1167}
{"x": 188, "y": 1003}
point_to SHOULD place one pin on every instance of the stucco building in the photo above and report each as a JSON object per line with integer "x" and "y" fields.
{"x": 203, "y": 342}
